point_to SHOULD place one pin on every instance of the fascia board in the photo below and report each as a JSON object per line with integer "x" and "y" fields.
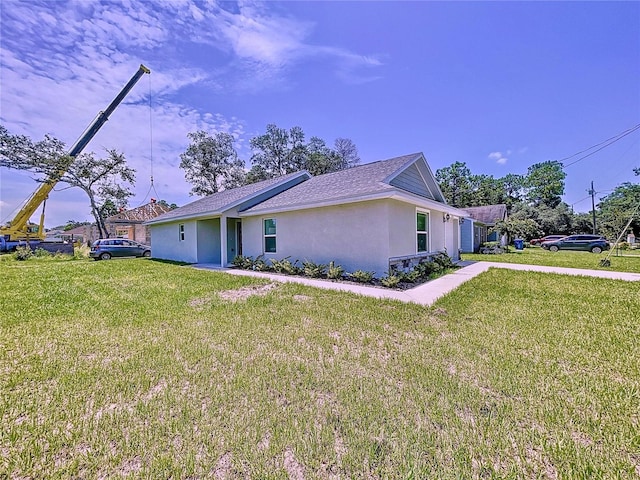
{"x": 182, "y": 218}
{"x": 215, "y": 214}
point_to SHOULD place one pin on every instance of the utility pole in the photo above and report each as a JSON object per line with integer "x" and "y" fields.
{"x": 592, "y": 192}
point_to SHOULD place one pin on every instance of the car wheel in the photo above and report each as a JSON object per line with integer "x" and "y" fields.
{"x": 105, "y": 256}
{"x": 147, "y": 253}
{"x": 553, "y": 248}
{"x": 596, "y": 250}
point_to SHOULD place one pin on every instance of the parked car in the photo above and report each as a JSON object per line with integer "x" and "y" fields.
{"x": 548, "y": 238}
{"x": 105, "y": 248}
{"x": 589, "y": 243}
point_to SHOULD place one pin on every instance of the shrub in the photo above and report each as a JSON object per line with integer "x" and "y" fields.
{"x": 23, "y": 253}
{"x": 443, "y": 260}
{"x": 245, "y": 263}
{"x": 81, "y": 252}
{"x": 334, "y": 271}
{"x": 426, "y": 269}
{"x": 260, "y": 265}
{"x": 314, "y": 270}
{"x": 409, "y": 277}
{"x": 390, "y": 281}
{"x": 361, "y": 276}
{"x": 285, "y": 266}
{"x": 41, "y": 252}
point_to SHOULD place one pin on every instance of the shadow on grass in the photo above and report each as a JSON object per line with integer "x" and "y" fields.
{"x": 169, "y": 262}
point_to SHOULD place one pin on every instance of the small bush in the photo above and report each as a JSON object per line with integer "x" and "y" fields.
{"x": 260, "y": 265}
{"x": 245, "y": 263}
{"x": 285, "y": 266}
{"x": 23, "y": 253}
{"x": 314, "y": 270}
{"x": 41, "y": 252}
{"x": 443, "y": 260}
{"x": 362, "y": 276}
{"x": 409, "y": 277}
{"x": 390, "y": 281}
{"x": 81, "y": 252}
{"x": 426, "y": 269}
{"x": 334, "y": 271}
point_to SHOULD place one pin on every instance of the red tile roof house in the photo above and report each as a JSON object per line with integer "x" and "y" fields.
{"x": 369, "y": 217}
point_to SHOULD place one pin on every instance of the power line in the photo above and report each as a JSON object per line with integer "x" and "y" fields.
{"x": 602, "y": 145}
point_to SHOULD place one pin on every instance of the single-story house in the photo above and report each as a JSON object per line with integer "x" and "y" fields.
{"x": 474, "y": 231}
{"x": 370, "y": 217}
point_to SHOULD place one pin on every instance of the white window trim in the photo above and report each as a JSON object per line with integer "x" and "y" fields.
{"x": 428, "y": 232}
{"x": 181, "y": 232}
{"x": 265, "y": 236}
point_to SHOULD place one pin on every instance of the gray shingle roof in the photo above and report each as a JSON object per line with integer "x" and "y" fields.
{"x": 488, "y": 214}
{"x": 219, "y": 202}
{"x": 364, "y": 179}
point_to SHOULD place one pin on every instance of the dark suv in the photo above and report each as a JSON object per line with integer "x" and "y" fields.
{"x": 589, "y": 243}
{"x": 106, "y": 248}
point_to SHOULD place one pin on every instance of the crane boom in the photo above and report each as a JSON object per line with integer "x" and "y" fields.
{"x": 19, "y": 228}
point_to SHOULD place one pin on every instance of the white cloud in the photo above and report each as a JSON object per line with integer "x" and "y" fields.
{"x": 498, "y": 157}
{"x": 62, "y": 62}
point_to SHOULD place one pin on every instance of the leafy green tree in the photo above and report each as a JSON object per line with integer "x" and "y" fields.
{"x": 511, "y": 190}
{"x": 455, "y": 183}
{"x": 517, "y": 228}
{"x": 256, "y": 174}
{"x": 347, "y": 152}
{"x": 544, "y": 183}
{"x": 278, "y": 151}
{"x": 321, "y": 159}
{"x": 209, "y": 161}
{"x": 106, "y": 181}
{"x": 617, "y": 208}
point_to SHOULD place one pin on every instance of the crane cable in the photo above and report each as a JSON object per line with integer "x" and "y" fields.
{"x": 152, "y": 186}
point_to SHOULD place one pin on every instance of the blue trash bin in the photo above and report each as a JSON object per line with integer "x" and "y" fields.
{"x": 519, "y": 243}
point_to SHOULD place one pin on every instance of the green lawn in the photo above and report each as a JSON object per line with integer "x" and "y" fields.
{"x": 151, "y": 370}
{"x": 630, "y": 262}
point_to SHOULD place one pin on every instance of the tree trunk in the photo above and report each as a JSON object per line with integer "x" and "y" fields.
{"x": 95, "y": 211}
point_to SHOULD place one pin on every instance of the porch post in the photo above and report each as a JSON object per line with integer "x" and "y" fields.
{"x": 223, "y": 241}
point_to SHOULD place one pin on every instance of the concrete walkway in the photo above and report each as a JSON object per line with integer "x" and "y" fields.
{"x": 427, "y": 293}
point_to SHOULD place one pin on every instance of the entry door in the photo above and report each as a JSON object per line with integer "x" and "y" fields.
{"x": 239, "y": 237}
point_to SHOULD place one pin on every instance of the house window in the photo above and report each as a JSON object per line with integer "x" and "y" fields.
{"x": 422, "y": 231}
{"x": 181, "y": 232}
{"x": 270, "y": 235}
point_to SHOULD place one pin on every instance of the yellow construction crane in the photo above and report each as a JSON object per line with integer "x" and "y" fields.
{"x": 20, "y": 231}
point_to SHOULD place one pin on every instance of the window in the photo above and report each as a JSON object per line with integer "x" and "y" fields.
{"x": 422, "y": 231}
{"x": 181, "y": 232}
{"x": 270, "y": 235}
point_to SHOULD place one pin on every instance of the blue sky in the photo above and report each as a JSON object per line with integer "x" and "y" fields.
{"x": 498, "y": 85}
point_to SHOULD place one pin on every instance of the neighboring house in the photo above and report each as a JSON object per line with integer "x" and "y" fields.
{"x": 130, "y": 223}
{"x": 126, "y": 224}
{"x": 368, "y": 217}
{"x": 475, "y": 230}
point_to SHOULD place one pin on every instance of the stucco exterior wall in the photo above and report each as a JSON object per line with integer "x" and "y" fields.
{"x": 361, "y": 235}
{"x": 355, "y": 236}
{"x": 165, "y": 242}
{"x": 208, "y": 232}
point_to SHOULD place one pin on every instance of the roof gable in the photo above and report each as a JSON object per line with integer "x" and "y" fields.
{"x": 409, "y": 172}
{"x": 416, "y": 177}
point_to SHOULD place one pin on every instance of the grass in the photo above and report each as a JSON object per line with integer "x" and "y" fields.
{"x": 630, "y": 262}
{"x": 143, "y": 369}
